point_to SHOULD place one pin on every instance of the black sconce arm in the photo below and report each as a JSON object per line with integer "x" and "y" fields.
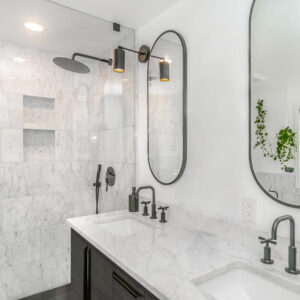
{"x": 108, "y": 61}
{"x": 139, "y": 52}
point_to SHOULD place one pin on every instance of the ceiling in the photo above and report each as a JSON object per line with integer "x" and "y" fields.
{"x": 130, "y": 13}
{"x": 66, "y": 30}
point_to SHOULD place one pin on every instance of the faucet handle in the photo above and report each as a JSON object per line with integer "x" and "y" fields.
{"x": 145, "y": 207}
{"x": 267, "y": 241}
{"x": 163, "y": 208}
{"x": 267, "y": 250}
{"x": 163, "y": 214}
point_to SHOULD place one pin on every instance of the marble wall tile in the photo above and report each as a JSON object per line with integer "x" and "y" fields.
{"x": 40, "y": 178}
{"x": 96, "y": 107}
{"x": 31, "y": 212}
{"x": 18, "y": 214}
{"x": 12, "y": 181}
{"x": 22, "y": 280}
{"x": 118, "y": 145}
{"x": 81, "y": 146}
{"x": 11, "y": 114}
{"x": 74, "y": 176}
{"x": 95, "y": 146}
{"x": 64, "y": 145}
{"x": 83, "y": 203}
{"x": 56, "y": 271}
{"x": 81, "y": 115}
{"x": 39, "y": 145}
{"x": 11, "y": 145}
{"x": 63, "y": 111}
{"x": 113, "y": 111}
{"x": 20, "y": 247}
{"x": 55, "y": 240}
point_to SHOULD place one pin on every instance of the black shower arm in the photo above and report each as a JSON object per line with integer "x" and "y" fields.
{"x": 138, "y": 52}
{"x": 108, "y": 61}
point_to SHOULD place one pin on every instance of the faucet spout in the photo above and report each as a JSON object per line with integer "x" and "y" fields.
{"x": 153, "y": 205}
{"x": 292, "y": 228}
{"x": 292, "y": 261}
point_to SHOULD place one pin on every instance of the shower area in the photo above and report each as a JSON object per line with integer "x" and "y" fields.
{"x": 58, "y": 122}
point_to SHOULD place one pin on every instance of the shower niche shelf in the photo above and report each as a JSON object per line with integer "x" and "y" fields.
{"x": 38, "y": 128}
{"x": 38, "y": 145}
{"x": 38, "y": 113}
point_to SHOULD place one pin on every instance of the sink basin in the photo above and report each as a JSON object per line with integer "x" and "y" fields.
{"x": 125, "y": 227}
{"x": 243, "y": 284}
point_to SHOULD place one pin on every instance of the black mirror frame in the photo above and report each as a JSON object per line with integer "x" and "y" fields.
{"x": 250, "y": 117}
{"x": 184, "y": 102}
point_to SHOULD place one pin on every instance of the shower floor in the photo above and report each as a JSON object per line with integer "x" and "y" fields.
{"x": 61, "y": 293}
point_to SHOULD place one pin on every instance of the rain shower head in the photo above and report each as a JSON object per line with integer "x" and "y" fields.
{"x": 70, "y": 64}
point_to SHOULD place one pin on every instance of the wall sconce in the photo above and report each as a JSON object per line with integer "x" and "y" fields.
{"x": 164, "y": 70}
{"x": 144, "y": 55}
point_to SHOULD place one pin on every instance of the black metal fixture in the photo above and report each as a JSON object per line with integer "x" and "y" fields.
{"x": 97, "y": 186}
{"x": 72, "y": 65}
{"x": 267, "y": 250}
{"x": 163, "y": 214}
{"x": 153, "y": 206}
{"x": 119, "y": 60}
{"x": 116, "y": 27}
{"x": 110, "y": 177}
{"x": 292, "y": 264}
{"x": 292, "y": 260}
{"x": 164, "y": 70}
{"x": 144, "y": 55}
{"x": 145, "y": 213}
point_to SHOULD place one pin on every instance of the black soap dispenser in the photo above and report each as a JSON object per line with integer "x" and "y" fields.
{"x": 133, "y": 204}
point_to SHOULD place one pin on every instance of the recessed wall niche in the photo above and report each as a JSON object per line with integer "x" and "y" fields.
{"x": 38, "y": 132}
{"x": 38, "y": 112}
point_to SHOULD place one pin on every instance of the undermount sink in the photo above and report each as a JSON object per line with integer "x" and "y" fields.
{"x": 243, "y": 284}
{"x": 124, "y": 227}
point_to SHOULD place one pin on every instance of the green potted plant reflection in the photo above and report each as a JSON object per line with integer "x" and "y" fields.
{"x": 286, "y": 147}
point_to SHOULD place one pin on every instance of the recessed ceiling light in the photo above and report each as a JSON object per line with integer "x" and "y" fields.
{"x": 19, "y": 59}
{"x": 34, "y": 26}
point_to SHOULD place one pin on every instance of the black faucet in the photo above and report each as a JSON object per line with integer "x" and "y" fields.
{"x": 292, "y": 265}
{"x": 153, "y": 205}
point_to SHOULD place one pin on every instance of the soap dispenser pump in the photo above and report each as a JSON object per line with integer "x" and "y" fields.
{"x": 133, "y": 204}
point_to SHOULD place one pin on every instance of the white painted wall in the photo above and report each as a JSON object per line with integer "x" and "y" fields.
{"x": 217, "y": 176}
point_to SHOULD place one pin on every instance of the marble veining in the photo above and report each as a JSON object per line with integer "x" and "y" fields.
{"x": 173, "y": 258}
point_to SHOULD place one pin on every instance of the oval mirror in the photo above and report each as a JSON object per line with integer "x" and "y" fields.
{"x": 167, "y": 92}
{"x": 275, "y": 98}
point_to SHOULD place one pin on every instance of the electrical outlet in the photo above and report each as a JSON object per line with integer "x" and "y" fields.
{"x": 249, "y": 210}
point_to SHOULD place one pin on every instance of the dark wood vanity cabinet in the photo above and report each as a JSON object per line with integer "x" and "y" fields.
{"x": 95, "y": 277}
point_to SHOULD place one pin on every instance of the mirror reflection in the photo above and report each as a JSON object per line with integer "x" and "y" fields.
{"x": 275, "y": 98}
{"x": 166, "y": 108}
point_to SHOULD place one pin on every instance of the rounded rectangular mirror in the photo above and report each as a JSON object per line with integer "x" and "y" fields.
{"x": 274, "y": 104}
{"x": 167, "y": 124}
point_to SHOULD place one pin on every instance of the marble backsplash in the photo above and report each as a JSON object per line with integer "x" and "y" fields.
{"x": 49, "y": 152}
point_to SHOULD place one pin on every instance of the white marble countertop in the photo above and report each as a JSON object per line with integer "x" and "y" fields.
{"x": 171, "y": 259}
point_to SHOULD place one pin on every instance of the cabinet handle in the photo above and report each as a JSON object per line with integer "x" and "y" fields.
{"x": 86, "y": 274}
{"x": 128, "y": 287}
